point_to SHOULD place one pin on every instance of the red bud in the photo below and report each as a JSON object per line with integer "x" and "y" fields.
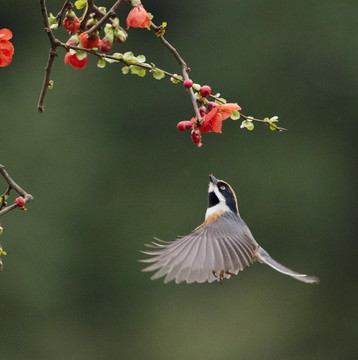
{"x": 188, "y": 83}
{"x": 184, "y": 125}
{"x": 20, "y": 202}
{"x": 202, "y": 111}
{"x": 205, "y": 91}
{"x": 211, "y": 105}
{"x": 196, "y": 137}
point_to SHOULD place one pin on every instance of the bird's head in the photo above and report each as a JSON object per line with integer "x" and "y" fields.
{"x": 221, "y": 197}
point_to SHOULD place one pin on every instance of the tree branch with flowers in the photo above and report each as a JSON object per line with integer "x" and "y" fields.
{"x": 210, "y": 109}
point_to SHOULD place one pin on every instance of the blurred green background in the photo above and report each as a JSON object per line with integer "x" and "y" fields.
{"x": 109, "y": 170}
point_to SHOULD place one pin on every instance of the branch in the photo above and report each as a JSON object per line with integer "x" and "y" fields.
{"x": 184, "y": 67}
{"x": 104, "y": 18}
{"x": 65, "y": 6}
{"x": 52, "y": 53}
{"x": 12, "y": 185}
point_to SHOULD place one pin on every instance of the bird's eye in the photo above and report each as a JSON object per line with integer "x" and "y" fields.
{"x": 222, "y": 187}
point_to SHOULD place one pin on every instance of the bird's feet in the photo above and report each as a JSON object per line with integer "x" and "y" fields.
{"x": 222, "y": 274}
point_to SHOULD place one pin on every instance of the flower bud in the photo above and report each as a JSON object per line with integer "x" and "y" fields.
{"x": 74, "y": 40}
{"x": 196, "y": 137}
{"x": 202, "y": 111}
{"x": 184, "y": 125}
{"x": 20, "y": 202}
{"x": 91, "y": 22}
{"x": 71, "y": 22}
{"x": 188, "y": 83}
{"x": 205, "y": 91}
{"x": 120, "y": 36}
{"x": 106, "y": 45}
{"x": 211, "y": 105}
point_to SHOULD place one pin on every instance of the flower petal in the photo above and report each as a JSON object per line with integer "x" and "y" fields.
{"x": 5, "y": 34}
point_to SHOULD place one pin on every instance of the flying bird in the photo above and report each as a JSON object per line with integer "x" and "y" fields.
{"x": 218, "y": 248}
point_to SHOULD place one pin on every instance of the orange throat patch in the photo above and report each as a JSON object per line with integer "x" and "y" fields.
{"x": 212, "y": 218}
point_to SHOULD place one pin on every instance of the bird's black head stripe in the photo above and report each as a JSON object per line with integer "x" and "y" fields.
{"x": 213, "y": 199}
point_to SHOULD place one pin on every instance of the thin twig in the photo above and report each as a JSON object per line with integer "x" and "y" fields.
{"x": 105, "y": 17}
{"x": 51, "y": 57}
{"x": 13, "y": 185}
{"x": 62, "y": 11}
{"x": 184, "y": 68}
{"x": 264, "y": 121}
{"x": 100, "y": 13}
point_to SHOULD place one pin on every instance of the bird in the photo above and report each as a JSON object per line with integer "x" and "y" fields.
{"x": 218, "y": 248}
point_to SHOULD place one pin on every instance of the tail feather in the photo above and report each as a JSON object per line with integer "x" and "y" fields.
{"x": 264, "y": 257}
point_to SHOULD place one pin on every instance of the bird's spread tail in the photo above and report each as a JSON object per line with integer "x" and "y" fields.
{"x": 264, "y": 257}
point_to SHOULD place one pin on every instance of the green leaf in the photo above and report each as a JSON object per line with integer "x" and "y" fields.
{"x": 101, "y": 63}
{"x": 220, "y": 101}
{"x": 125, "y": 70}
{"x": 247, "y": 124}
{"x": 80, "y": 4}
{"x": 141, "y": 58}
{"x": 158, "y": 74}
{"x": 196, "y": 87}
{"x": 50, "y": 85}
{"x": 118, "y": 55}
{"x": 81, "y": 54}
{"x": 164, "y": 24}
{"x": 175, "y": 80}
{"x": 128, "y": 56}
{"x": 150, "y": 16}
{"x": 136, "y": 70}
{"x": 235, "y": 115}
{"x": 52, "y": 22}
{"x": 110, "y": 61}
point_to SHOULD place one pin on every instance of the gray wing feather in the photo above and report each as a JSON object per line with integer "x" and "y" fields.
{"x": 226, "y": 244}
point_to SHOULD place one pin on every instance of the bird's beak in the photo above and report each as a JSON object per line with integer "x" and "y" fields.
{"x": 213, "y": 179}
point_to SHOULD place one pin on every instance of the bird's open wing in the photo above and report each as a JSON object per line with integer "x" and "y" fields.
{"x": 216, "y": 249}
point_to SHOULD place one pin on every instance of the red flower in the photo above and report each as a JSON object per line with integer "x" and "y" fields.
{"x": 138, "y": 17}
{"x": 89, "y": 42}
{"x": 74, "y": 61}
{"x": 71, "y": 23}
{"x": 213, "y": 120}
{"x": 6, "y": 48}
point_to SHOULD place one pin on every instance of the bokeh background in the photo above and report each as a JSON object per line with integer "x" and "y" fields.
{"x": 109, "y": 170}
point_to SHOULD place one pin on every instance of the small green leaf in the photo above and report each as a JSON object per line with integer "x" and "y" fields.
{"x": 235, "y": 115}
{"x": 141, "y": 58}
{"x": 158, "y": 74}
{"x": 220, "y": 101}
{"x": 136, "y": 70}
{"x": 175, "y": 80}
{"x": 110, "y": 61}
{"x": 52, "y": 22}
{"x": 128, "y": 56}
{"x": 101, "y": 63}
{"x": 118, "y": 55}
{"x": 50, "y": 85}
{"x": 247, "y": 124}
{"x": 150, "y": 16}
{"x": 196, "y": 87}
{"x": 81, "y": 54}
{"x": 80, "y": 4}
{"x": 164, "y": 24}
{"x": 125, "y": 70}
